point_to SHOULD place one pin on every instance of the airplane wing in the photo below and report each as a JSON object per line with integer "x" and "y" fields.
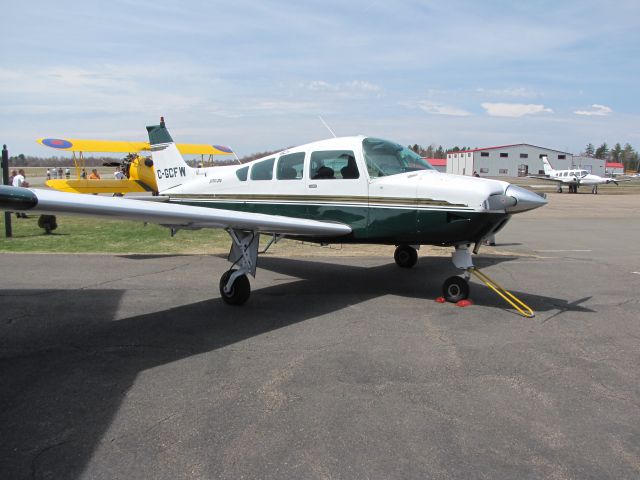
{"x": 542, "y": 177}
{"x": 115, "y": 146}
{"x": 167, "y": 214}
{"x": 98, "y": 186}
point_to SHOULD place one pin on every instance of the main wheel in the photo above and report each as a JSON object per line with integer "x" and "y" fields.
{"x": 240, "y": 290}
{"x": 405, "y": 256}
{"x": 455, "y": 289}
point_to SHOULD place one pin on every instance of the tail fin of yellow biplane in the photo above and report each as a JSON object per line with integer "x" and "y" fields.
{"x": 170, "y": 168}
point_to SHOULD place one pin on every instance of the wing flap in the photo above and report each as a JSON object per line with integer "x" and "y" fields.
{"x": 46, "y": 201}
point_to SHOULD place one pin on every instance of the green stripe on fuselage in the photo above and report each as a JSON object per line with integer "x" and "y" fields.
{"x": 387, "y": 225}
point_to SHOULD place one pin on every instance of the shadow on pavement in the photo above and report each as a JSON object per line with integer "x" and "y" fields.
{"x": 66, "y": 361}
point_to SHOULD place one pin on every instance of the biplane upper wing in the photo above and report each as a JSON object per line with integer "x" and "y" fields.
{"x": 168, "y": 214}
{"x": 117, "y": 146}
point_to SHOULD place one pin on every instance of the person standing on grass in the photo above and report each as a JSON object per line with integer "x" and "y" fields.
{"x": 19, "y": 181}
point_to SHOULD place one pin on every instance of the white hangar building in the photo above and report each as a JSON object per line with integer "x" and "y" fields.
{"x": 517, "y": 160}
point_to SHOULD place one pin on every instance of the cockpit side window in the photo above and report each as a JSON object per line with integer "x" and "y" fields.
{"x": 387, "y": 158}
{"x": 333, "y": 164}
{"x": 290, "y": 166}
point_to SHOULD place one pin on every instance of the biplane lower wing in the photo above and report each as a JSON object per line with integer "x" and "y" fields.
{"x": 167, "y": 214}
{"x": 98, "y": 186}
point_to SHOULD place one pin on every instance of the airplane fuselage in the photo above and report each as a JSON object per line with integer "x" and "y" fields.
{"x": 381, "y": 204}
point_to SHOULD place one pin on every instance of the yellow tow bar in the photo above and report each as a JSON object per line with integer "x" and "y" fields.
{"x": 522, "y": 308}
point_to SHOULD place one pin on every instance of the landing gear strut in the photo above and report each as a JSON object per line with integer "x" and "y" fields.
{"x": 234, "y": 284}
{"x": 405, "y": 256}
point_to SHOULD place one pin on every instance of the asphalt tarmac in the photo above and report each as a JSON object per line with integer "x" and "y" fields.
{"x": 132, "y": 367}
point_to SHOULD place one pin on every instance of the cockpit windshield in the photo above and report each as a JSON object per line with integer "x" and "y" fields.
{"x": 387, "y": 158}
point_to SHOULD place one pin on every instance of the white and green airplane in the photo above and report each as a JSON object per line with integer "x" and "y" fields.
{"x": 341, "y": 190}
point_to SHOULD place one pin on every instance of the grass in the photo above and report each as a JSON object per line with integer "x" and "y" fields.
{"x": 96, "y": 235}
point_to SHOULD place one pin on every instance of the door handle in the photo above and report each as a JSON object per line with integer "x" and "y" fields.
{"x": 313, "y": 185}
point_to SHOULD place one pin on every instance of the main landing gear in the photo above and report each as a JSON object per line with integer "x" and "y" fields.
{"x": 234, "y": 284}
{"x": 405, "y": 256}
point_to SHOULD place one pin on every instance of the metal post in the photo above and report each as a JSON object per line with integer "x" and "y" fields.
{"x": 5, "y": 181}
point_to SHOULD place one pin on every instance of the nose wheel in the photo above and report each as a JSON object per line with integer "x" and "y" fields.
{"x": 455, "y": 289}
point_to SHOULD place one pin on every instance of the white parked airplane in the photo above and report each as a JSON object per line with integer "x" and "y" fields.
{"x": 342, "y": 190}
{"x": 573, "y": 178}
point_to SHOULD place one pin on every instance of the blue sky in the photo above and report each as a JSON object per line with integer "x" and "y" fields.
{"x": 255, "y": 75}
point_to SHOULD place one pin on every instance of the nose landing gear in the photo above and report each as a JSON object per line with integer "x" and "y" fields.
{"x": 456, "y": 288}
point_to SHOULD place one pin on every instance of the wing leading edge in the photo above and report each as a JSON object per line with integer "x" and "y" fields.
{"x": 186, "y": 216}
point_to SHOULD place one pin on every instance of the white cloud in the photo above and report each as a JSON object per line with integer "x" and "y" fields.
{"x": 515, "y": 92}
{"x": 351, "y": 89}
{"x": 442, "y": 109}
{"x": 514, "y": 109}
{"x": 596, "y": 110}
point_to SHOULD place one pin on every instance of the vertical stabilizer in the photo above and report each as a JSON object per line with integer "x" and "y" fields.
{"x": 168, "y": 165}
{"x": 548, "y": 169}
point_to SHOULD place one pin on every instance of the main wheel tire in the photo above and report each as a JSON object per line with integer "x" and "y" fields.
{"x": 455, "y": 289}
{"x": 405, "y": 256}
{"x": 240, "y": 290}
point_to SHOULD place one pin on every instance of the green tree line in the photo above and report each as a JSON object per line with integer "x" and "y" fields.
{"x": 626, "y": 155}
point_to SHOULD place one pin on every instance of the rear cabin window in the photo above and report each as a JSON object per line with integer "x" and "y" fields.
{"x": 290, "y": 166}
{"x": 333, "y": 164}
{"x": 242, "y": 173}
{"x": 262, "y": 170}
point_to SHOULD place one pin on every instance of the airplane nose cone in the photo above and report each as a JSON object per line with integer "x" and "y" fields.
{"x": 524, "y": 199}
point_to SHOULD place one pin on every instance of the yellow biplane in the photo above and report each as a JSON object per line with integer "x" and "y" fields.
{"x": 137, "y": 168}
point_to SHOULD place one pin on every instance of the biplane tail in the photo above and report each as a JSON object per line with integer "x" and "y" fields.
{"x": 168, "y": 165}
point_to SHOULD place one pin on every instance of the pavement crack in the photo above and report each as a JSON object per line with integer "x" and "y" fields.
{"x": 128, "y": 277}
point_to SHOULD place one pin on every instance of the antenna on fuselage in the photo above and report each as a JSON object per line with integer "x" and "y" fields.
{"x": 328, "y": 127}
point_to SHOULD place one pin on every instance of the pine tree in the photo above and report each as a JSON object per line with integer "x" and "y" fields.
{"x": 590, "y": 150}
{"x": 602, "y": 151}
{"x": 616, "y": 152}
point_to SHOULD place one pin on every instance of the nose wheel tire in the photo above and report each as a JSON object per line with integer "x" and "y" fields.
{"x": 240, "y": 290}
{"x": 455, "y": 289}
{"x": 405, "y": 256}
